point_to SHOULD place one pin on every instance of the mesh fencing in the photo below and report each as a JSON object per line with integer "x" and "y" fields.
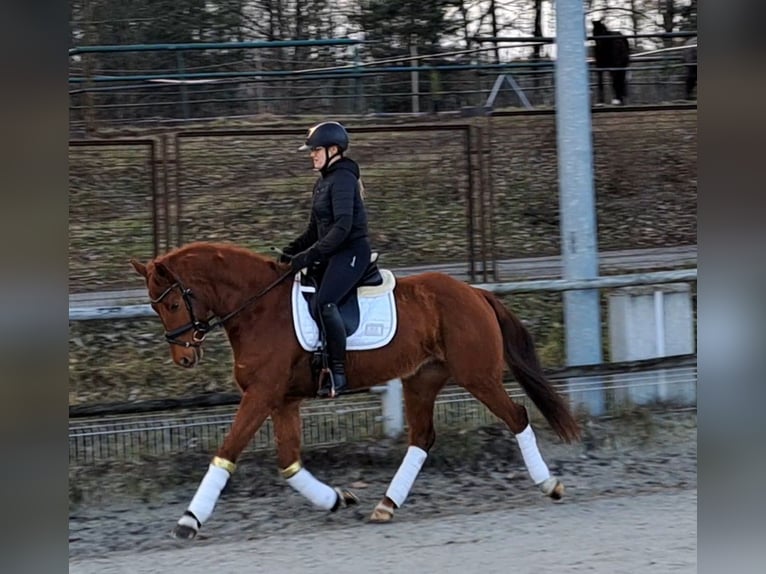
{"x": 355, "y": 418}
{"x": 112, "y": 203}
{"x": 253, "y": 188}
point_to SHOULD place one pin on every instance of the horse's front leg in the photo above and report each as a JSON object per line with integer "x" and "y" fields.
{"x": 287, "y": 431}
{"x": 252, "y": 412}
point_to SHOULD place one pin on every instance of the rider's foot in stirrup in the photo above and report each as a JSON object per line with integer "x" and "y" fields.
{"x": 336, "y": 385}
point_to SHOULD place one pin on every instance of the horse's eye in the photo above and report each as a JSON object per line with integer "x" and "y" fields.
{"x": 174, "y": 307}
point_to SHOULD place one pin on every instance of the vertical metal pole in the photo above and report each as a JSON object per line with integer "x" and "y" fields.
{"x": 184, "y": 90}
{"x": 414, "y": 77}
{"x": 482, "y": 212}
{"x": 166, "y": 189}
{"x": 359, "y": 82}
{"x": 179, "y": 233}
{"x": 469, "y": 206}
{"x": 260, "y": 105}
{"x": 155, "y": 200}
{"x": 579, "y": 241}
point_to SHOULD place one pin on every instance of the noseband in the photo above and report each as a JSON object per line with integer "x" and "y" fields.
{"x": 199, "y": 328}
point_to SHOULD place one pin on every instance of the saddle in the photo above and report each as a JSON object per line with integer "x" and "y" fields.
{"x": 349, "y": 306}
{"x": 368, "y": 312}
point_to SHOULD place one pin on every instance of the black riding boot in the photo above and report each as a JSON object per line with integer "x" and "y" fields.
{"x": 335, "y": 335}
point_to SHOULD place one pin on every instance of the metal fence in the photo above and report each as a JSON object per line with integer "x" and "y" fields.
{"x": 113, "y": 205}
{"x": 477, "y": 191}
{"x": 250, "y": 187}
{"x": 333, "y": 76}
{"x": 355, "y": 418}
{"x": 645, "y": 179}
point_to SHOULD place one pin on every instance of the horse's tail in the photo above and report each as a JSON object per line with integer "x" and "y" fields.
{"x": 521, "y": 356}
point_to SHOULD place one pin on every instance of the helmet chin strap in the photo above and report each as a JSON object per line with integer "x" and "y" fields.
{"x": 328, "y": 158}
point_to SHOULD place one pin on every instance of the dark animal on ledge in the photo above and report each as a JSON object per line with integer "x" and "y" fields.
{"x": 612, "y": 54}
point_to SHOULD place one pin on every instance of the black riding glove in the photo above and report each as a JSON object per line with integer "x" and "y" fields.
{"x": 309, "y": 258}
{"x": 285, "y": 256}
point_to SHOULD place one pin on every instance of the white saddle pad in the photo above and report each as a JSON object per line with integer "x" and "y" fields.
{"x": 377, "y": 316}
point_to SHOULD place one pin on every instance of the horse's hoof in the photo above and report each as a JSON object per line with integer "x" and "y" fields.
{"x": 345, "y": 498}
{"x": 382, "y": 514}
{"x": 349, "y": 498}
{"x": 184, "y": 532}
{"x": 552, "y": 487}
{"x": 187, "y": 527}
{"x": 558, "y": 491}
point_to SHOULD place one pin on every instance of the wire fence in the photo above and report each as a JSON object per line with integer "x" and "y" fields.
{"x": 479, "y": 190}
{"x": 339, "y": 77}
{"x": 355, "y": 418}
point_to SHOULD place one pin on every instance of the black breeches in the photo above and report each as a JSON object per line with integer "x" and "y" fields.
{"x": 343, "y": 271}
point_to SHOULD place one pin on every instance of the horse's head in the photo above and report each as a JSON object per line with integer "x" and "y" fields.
{"x": 182, "y": 314}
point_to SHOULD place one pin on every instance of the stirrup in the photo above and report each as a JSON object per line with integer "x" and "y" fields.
{"x": 330, "y": 391}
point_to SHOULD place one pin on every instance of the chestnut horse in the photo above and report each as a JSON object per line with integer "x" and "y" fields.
{"x": 446, "y": 330}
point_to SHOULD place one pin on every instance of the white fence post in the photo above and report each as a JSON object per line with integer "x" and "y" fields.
{"x": 392, "y": 400}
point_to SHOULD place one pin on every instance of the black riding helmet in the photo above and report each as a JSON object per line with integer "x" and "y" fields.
{"x": 326, "y": 134}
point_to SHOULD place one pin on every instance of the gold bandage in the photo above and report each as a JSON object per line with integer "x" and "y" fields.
{"x": 291, "y": 470}
{"x": 227, "y": 465}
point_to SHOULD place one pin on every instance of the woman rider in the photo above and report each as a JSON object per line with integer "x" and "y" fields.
{"x": 335, "y": 246}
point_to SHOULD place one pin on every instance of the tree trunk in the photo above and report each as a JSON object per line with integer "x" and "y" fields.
{"x": 537, "y": 32}
{"x": 634, "y": 20}
{"x": 493, "y": 12}
{"x": 668, "y": 11}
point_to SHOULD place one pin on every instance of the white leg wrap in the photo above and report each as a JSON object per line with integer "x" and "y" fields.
{"x": 316, "y": 491}
{"x": 536, "y": 466}
{"x": 405, "y": 477}
{"x": 208, "y": 492}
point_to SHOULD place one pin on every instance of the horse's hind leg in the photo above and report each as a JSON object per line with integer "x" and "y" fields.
{"x": 287, "y": 432}
{"x": 420, "y": 391}
{"x": 491, "y": 392}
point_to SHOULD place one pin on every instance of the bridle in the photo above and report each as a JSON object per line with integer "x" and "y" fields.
{"x": 200, "y": 328}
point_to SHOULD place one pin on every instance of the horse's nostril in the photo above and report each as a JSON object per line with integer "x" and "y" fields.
{"x": 185, "y": 361}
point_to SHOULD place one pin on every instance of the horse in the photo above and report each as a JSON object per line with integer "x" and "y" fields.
{"x": 612, "y": 53}
{"x": 446, "y": 330}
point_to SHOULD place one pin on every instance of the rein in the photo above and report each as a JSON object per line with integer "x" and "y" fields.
{"x": 200, "y": 329}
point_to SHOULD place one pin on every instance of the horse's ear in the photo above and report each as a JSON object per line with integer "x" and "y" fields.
{"x": 139, "y": 267}
{"x": 161, "y": 271}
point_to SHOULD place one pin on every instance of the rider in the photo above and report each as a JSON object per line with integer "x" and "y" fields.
{"x": 335, "y": 246}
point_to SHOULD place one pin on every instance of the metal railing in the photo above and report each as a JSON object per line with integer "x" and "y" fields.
{"x": 546, "y": 285}
{"x": 236, "y": 78}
